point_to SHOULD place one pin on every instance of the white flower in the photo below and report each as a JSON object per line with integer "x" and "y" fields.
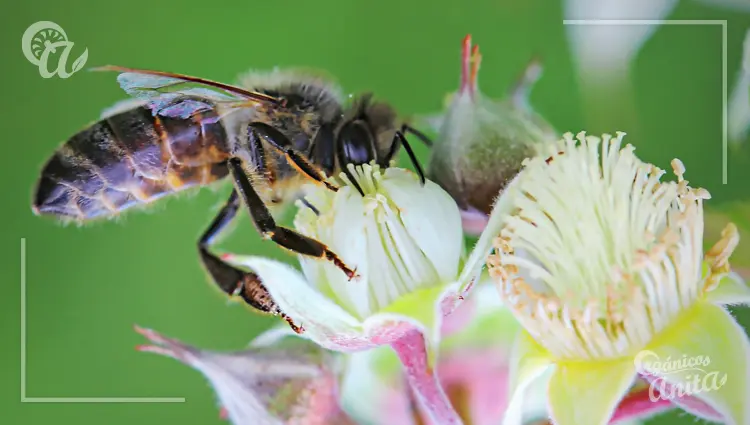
{"x": 599, "y": 260}
{"x": 604, "y": 52}
{"x": 406, "y": 243}
{"x": 402, "y": 238}
{"x": 739, "y": 102}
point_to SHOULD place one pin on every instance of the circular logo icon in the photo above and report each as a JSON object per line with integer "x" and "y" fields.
{"x": 44, "y": 38}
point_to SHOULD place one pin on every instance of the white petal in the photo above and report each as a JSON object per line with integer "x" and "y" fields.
{"x": 440, "y": 236}
{"x": 385, "y": 398}
{"x": 528, "y": 364}
{"x": 605, "y": 49}
{"x": 397, "y": 244}
{"x": 502, "y": 208}
{"x": 732, "y": 290}
{"x": 345, "y": 238}
{"x": 739, "y": 106}
{"x": 321, "y": 318}
{"x": 272, "y": 336}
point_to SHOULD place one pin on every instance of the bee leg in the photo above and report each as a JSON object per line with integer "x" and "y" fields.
{"x": 406, "y": 128}
{"x": 233, "y": 281}
{"x": 226, "y": 277}
{"x": 258, "y": 156}
{"x": 279, "y": 141}
{"x": 267, "y": 226}
{"x": 400, "y": 139}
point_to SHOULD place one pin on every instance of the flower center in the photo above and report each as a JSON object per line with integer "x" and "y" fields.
{"x": 368, "y": 232}
{"x": 599, "y": 254}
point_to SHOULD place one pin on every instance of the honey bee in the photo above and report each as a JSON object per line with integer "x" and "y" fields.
{"x": 271, "y": 133}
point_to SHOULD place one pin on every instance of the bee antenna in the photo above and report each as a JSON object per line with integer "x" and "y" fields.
{"x": 363, "y": 101}
{"x": 307, "y": 203}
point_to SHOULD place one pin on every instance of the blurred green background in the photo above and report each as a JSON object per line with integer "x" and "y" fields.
{"x": 88, "y": 286}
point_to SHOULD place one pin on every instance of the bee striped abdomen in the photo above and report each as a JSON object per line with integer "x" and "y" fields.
{"x": 130, "y": 158}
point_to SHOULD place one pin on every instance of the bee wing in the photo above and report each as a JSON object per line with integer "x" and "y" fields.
{"x": 182, "y": 96}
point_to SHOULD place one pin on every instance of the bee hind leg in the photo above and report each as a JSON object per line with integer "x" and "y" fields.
{"x": 233, "y": 281}
{"x": 267, "y": 226}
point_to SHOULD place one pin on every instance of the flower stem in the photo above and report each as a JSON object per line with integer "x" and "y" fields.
{"x": 412, "y": 352}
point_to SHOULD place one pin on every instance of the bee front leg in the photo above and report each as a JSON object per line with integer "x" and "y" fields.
{"x": 400, "y": 139}
{"x": 267, "y": 226}
{"x": 406, "y": 128}
{"x": 233, "y": 281}
{"x": 282, "y": 143}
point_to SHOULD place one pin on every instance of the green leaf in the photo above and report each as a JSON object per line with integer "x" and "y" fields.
{"x": 80, "y": 62}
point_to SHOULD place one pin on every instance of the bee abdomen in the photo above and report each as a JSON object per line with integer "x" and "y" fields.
{"x": 128, "y": 159}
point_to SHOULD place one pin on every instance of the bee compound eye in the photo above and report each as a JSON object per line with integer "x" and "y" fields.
{"x": 357, "y": 143}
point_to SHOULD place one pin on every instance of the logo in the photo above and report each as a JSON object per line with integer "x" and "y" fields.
{"x": 45, "y": 42}
{"x": 673, "y": 378}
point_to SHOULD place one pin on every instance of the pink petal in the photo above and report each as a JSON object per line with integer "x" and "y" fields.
{"x": 291, "y": 382}
{"x": 638, "y": 405}
{"x": 457, "y": 316}
{"x": 481, "y": 377}
{"x": 473, "y": 221}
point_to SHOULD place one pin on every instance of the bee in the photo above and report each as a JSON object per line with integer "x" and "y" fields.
{"x": 268, "y": 135}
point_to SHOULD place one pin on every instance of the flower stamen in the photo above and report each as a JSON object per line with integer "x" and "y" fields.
{"x": 599, "y": 282}
{"x": 370, "y": 226}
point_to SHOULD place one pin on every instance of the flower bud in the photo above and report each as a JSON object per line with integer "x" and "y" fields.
{"x": 482, "y": 142}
